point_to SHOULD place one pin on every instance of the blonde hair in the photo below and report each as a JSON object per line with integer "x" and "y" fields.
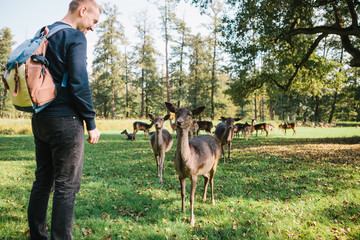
{"x": 74, "y": 4}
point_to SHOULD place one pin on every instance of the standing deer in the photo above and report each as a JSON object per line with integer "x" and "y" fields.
{"x": 194, "y": 157}
{"x": 224, "y": 133}
{"x": 203, "y": 125}
{"x": 161, "y": 142}
{"x": 129, "y": 136}
{"x": 243, "y": 128}
{"x": 260, "y": 126}
{"x": 142, "y": 126}
{"x": 286, "y": 125}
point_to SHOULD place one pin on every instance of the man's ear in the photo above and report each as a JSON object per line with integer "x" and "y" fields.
{"x": 198, "y": 110}
{"x": 82, "y": 10}
{"x": 171, "y": 107}
{"x": 166, "y": 117}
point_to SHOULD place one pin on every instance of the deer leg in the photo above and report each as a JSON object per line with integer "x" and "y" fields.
{"x": 223, "y": 152}
{"x": 134, "y": 132}
{"x": 182, "y": 184}
{"x": 192, "y": 196}
{"x": 212, "y": 174}
{"x": 157, "y": 163}
{"x": 229, "y": 149}
{"x": 267, "y": 132}
{"x": 161, "y": 170}
{"x": 206, "y": 183}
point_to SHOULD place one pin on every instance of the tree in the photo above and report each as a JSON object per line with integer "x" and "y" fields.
{"x": 5, "y": 50}
{"x": 107, "y": 61}
{"x": 178, "y": 58}
{"x": 283, "y": 25}
{"x": 148, "y": 79}
{"x": 167, "y": 12}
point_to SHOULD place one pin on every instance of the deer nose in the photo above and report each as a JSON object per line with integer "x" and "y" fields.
{"x": 179, "y": 122}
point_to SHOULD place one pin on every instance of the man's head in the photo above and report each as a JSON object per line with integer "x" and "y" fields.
{"x": 84, "y": 14}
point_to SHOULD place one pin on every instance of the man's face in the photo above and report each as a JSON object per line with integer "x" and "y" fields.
{"x": 90, "y": 16}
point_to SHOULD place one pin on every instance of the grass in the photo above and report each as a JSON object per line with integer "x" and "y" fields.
{"x": 281, "y": 187}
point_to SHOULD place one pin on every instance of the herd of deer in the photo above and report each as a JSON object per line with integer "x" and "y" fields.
{"x": 195, "y": 155}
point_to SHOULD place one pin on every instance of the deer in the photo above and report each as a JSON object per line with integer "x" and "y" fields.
{"x": 287, "y": 125}
{"x": 142, "y": 126}
{"x": 243, "y": 128}
{"x": 129, "y": 136}
{"x": 194, "y": 157}
{"x": 224, "y": 134}
{"x": 203, "y": 125}
{"x": 161, "y": 142}
{"x": 260, "y": 126}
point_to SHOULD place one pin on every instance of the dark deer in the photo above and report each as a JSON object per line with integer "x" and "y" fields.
{"x": 287, "y": 125}
{"x": 224, "y": 133}
{"x": 258, "y": 127}
{"x": 243, "y": 128}
{"x": 161, "y": 142}
{"x": 129, "y": 136}
{"x": 204, "y": 125}
{"x": 143, "y": 127}
{"x": 194, "y": 157}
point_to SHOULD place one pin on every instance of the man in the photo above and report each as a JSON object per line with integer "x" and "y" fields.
{"x": 58, "y": 129}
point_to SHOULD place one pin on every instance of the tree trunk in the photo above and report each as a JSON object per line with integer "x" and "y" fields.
{"x": 333, "y": 107}
{"x": 255, "y": 107}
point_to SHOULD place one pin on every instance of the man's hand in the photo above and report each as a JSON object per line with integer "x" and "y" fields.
{"x": 94, "y": 136}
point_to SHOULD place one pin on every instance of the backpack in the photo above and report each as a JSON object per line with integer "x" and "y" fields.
{"x": 27, "y": 76}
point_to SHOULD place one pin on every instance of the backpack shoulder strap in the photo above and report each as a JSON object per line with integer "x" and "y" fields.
{"x": 56, "y": 29}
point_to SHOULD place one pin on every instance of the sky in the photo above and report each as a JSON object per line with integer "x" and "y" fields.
{"x": 25, "y": 17}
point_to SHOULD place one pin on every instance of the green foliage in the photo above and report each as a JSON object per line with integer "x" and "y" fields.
{"x": 107, "y": 63}
{"x": 281, "y": 187}
{"x": 6, "y": 41}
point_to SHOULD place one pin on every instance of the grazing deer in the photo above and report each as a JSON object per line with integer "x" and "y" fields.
{"x": 260, "y": 126}
{"x": 286, "y": 125}
{"x": 224, "y": 133}
{"x": 142, "y": 126}
{"x": 161, "y": 142}
{"x": 194, "y": 157}
{"x": 203, "y": 125}
{"x": 129, "y": 136}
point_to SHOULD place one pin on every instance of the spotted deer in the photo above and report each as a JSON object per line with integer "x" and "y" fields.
{"x": 161, "y": 142}
{"x": 224, "y": 133}
{"x": 194, "y": 157}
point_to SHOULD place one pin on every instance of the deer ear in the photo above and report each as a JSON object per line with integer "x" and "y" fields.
{"x": 198, "y": 110}
{"x": 237, "y": 119}
{"x": 223, "y": 118}
{"x": 166, "y": 117}
{"x": 171, "y": 107}
{"x": 151, "y": 116}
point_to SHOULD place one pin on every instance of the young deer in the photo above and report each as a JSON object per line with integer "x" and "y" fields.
{"x": 161, "y": 142}
{"x": 129, "y": 136}
{"x": 194, "y": 157}
{"x": 142, "y": 126}
{"x": 224, "y": 133}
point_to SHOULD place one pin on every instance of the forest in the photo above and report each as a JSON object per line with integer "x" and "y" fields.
{"x": 266, "y": 60}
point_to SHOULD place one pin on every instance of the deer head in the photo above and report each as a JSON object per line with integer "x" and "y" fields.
{"x": 159, "y": 121}
{"x": 183, "y": 116}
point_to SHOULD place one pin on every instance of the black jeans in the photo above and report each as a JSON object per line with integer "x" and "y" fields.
{"x": 59, "y": 148}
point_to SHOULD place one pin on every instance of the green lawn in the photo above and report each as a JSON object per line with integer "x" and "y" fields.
{"x": 305, "y": 186}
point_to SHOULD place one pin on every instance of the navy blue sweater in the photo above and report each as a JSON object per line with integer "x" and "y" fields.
{"x": 66, "y": 52}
